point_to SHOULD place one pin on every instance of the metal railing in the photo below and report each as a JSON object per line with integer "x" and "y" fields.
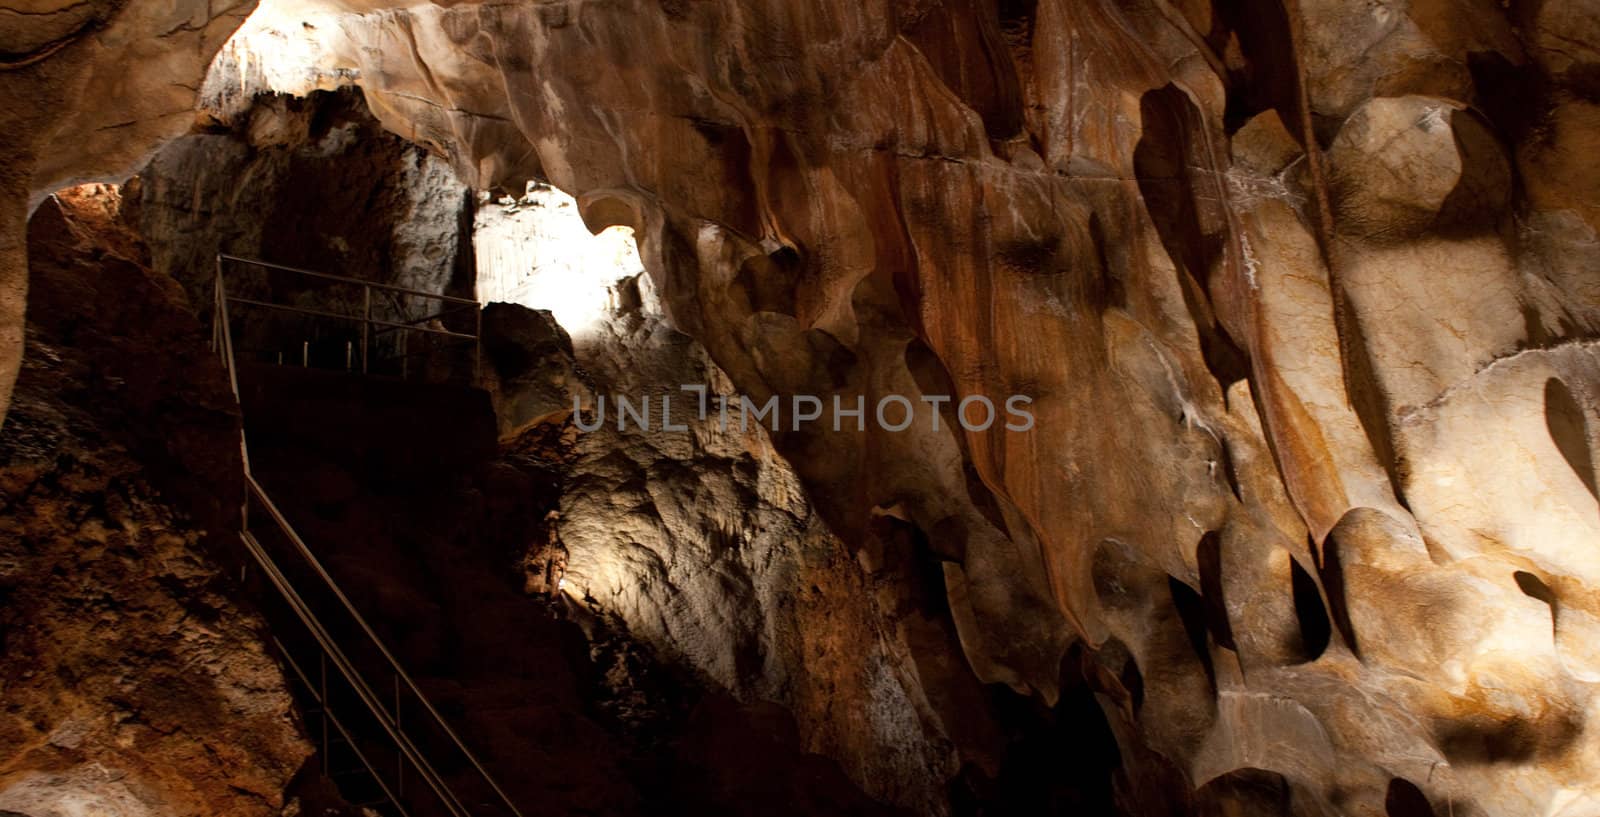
{"x": 335, "y": 648}
{"x": 377, "y": 319}
{"x": 416, "y": 742}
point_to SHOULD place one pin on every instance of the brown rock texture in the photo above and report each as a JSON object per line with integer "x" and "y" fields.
{"x": 132, "y": 683}
{"x": 313, "y": 183}
{"x": 703, "y": 543}
{"x": 572, "y": 714}
{"x": 62, "y": 63}
{"x": 698, "y": 545}
{"x": 1302, "y": 292}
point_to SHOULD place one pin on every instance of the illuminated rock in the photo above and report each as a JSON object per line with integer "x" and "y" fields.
{"x": 1303, "y": 295}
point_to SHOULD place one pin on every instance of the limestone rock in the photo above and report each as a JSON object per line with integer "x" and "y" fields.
{"x": 528, "y": 358}
{"x": 1311, "y": 462}
{"x": 311, "y": 183}
{"x": 702, "y": 541}
{"x": 134, "y": 683}
{"x": 1229, "y": 352}
{"x": 59, "y": 64}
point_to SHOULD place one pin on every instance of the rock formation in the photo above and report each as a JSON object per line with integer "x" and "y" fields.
{"x": 60, "y": 64}
{"x": 133, "y": 682}
{"x": 1267, "y": 272}
{"x": 312, "y": 183}
{"x": 697, "y": 541}
{"x": 1302, "y": 294}
{"x": 703, "y": 543}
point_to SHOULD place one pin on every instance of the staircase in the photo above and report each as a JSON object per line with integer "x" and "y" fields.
{"x": 381, "y": 740}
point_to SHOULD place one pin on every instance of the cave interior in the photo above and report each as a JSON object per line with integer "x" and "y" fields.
{"x": 959, "y": 408}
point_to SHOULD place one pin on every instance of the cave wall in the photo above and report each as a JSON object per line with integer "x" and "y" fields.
{"x": 59, "y": 63}
{"x": 699, "y": 545}
{"x": 310, "y": 182}
{"x": 134, "y": 683}
{"x": 136, "y": 680}
{"x": 705, "y": 544}
{"x": 535, "y": 250}
{"x": 1299, "y": 289}
{"x": 1303, "y": 292}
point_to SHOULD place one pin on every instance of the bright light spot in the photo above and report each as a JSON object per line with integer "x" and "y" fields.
{"x": 87, "y": 790}
{"x": 561, "y": 584}
{"x": 286, "y": 46}
{"x": 536, "y": 251}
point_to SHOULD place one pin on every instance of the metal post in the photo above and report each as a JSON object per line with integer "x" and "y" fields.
{"x": 217, "y": 305}
{"x": 305, "y": 353}
{"x": 400, "y": 760}
{"x": 216, "y": 295}
{"x": 366, "y": 323}
{"x": 244, "y": 525}
{"x": 347, "y": 355}
{"x": 322, "y": 698}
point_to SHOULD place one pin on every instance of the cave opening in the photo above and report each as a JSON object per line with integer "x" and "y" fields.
{"x": 535, "y": 251}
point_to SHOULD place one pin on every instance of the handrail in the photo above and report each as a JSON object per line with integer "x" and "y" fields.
{"x": 322, "y": 701}
{"x": 371, "y": 327}
{"x": 344, "y": 601}
{"x": 353, "y": 676}
{"x": 222, "y": 339}
{"x": 454, "y": 310}
{"x": 320, "y": 313}
{"x": 225, "y": 348}
{"x": 348, "y": 280}
{"x": 227, "y": 333}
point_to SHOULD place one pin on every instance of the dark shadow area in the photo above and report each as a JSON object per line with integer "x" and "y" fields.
{"x": 1248, "y": 791}
{"x": 1333, "y": 580}
{"x": 1534, "y": 587}
{"x": 1191, "y": 609}
{"x": 1209, "y": 554}
{"x": 1404, "y": 799}
{"x": 1162, "y": 161}
{"x": 1569, "y": 430}
{"x": 1266, "y": 74}
{"x": 1315, "y": 628}
{"x": 1059, "y": 760}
